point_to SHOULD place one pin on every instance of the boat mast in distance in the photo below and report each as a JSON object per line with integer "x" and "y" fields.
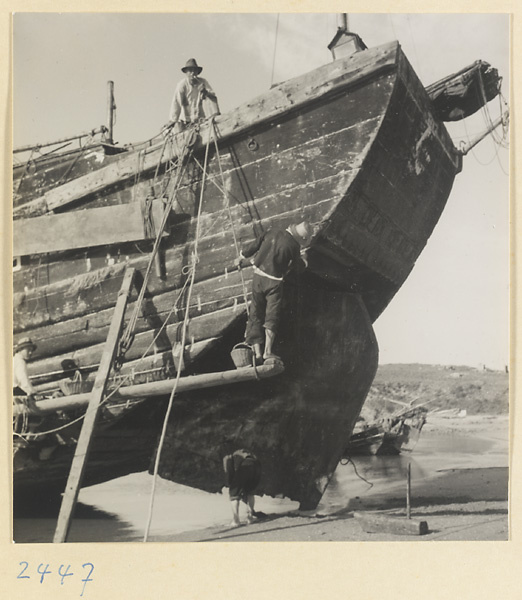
{"x": 344, "y": 42}
{"x": 111, "y": 107}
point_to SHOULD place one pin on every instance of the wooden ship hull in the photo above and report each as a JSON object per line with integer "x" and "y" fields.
{"x": 354, "y": 148}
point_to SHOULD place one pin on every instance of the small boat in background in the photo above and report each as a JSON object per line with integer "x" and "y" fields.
{"x": 389, "y": 436}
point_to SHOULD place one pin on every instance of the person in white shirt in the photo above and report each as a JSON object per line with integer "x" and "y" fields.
{"x": 194, "y": 99}
{"x": 23, "y": 351}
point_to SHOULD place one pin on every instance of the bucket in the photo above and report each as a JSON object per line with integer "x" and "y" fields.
{"x": 242, "y": 355}
{"x": 78, "y": 386}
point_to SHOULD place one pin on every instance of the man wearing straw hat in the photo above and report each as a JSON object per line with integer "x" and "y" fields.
{"x": 23, "y": 351}
{"x": 275, "y": 254}
{"x": 187, "y": 105}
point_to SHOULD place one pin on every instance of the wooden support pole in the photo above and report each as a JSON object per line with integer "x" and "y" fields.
{"x": 157, "y": 388}
{"x": 408, "y": 492}
{"x": 82, "y": 449}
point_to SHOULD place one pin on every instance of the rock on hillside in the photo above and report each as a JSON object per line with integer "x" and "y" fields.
{"x": 478, "y": 391}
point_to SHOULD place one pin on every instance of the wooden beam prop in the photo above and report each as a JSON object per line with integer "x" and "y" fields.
{"x": 158, "y": 388}
{"x": 83, "y": 228}
{"x": 82, "y": 449}
{"x": 379, "y": 523}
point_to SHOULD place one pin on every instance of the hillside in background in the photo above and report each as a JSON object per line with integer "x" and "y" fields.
{"x": 442, "y": 387}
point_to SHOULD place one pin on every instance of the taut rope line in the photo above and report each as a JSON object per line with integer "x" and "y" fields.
{"x": 195, "y": 260}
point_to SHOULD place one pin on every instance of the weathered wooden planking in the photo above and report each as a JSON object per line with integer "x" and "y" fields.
{"x": 271, "y": 105}
{"x": 58, "y": 302}
{"x": 84, "y": 229}
{"x": 275, "y": 165}
{"x": 35, "y": 178}
{"x": 380, "y": 523}
{"x": 67, "y": 337}
{"x": 390, "y": 211}
{"x": 345, "y": 120}
{"x": 89, "y": 360}
{"x": 217, "y": 249}
{"x": 208, "y": 294}
{"x": 216, "y": 237}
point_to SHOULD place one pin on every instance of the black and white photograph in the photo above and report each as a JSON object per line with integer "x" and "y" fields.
{"x": 261, "y": 277}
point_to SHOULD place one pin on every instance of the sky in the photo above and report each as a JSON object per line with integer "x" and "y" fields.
{"x": 454, "y": 307}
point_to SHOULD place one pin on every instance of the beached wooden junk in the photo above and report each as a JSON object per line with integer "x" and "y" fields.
{"x": 354, "y": 146}
{"x": 387, "y": 435}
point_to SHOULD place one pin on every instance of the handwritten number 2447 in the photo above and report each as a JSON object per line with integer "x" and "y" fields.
{"x": 63, "y": 572}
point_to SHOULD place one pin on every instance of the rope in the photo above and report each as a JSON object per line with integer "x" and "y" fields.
{"x": 227, "y": 205}
{"x": 31, "y": 436}
{"x": 26, "y": 168}
{"x": 347, "y": 459}
{"x": 195, "y": 260}
{"x": 139, "y": 165}
{"x": 414, "y": 45}
{"x": 78, "y": 156}
{"x": 159, "y": 161}
{"x": 126, "y": 338}
{"x": 275, "y": 46}
{"x": 485, "y": 111}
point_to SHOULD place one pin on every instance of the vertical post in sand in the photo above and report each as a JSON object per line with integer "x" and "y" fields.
{"x": 82, "y": 448}
{"x": 408, "y": 492}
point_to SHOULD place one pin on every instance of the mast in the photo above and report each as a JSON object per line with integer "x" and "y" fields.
{"x": 111, "y": 107}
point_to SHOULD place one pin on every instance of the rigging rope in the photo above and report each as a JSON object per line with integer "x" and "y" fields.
{"x": 348, "y": 459}
{"x": 487, "y": 115}
{"x": 26, "y": 169}
{"x": 195, "y": 260}
{"x": 227, "y": 204}
{"x": 127, "y": 337}
{"x": 78, "y": 156}
{"x": 275, "y": 46}
{"x": 498, "y": 141}
{"x": 414, "y": 46}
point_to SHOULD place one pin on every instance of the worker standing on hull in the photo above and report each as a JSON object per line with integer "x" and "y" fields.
{"x": 193, "y": 99}
{"x": 275, "y": 254}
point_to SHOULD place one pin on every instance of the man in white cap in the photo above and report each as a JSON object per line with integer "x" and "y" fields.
{"x": 276, "y": 253}
{"x": 187, "y": 105}
{"x": 23, "y": 351}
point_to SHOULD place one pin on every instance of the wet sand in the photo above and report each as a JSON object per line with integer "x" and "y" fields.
{"x": 459, "y": 486}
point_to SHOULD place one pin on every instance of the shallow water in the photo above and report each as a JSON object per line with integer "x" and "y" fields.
{"x": 433, "y": 455}
{"x": 118, "y": 510}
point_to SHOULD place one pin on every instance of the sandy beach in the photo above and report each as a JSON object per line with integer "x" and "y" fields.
{"x": 459, "y": 487}
{"x": 458, "y": 502}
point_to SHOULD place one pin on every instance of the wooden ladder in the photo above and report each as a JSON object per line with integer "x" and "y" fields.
{"x": 100, "y": 384}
